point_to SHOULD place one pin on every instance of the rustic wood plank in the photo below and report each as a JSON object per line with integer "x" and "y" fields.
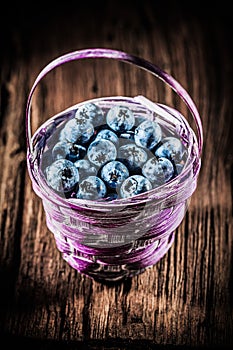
{"x": 186, "y": 299}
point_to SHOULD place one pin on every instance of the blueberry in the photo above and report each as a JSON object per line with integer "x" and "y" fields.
{"x": 133, "y": 156}
{"x": 148, "y": 134}
{"x": 85, "y": 168}
{"x": 134, "y": 185}
{"x": 107, "y": 135}
{"x": 68, "y": 150}
{"x": 114, "y": 173}
{"x": 100, "y": 152}
{"x": 171, "y": 148}
{"x": 62, "y": 175}
{"x": 158, "y": 171}
{"x": 90, "y": 112}
{"x": 92, "y": 187}
{"x": 79, "y": 131}
{"x": 120, "y": 118}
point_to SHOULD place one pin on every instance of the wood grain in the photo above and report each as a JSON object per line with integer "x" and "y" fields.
{"x": 187, "y": 298}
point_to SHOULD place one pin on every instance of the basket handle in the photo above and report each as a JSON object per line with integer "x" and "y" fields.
{"x": 124, "y": 57}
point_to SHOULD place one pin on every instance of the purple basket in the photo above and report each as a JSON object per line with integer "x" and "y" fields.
{"x": 106, "y": 240}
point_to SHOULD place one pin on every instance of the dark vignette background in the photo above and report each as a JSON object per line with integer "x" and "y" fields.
{"x": 31, "y": 18}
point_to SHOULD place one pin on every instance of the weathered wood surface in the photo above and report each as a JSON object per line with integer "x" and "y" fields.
{"x": 187, "y": 298}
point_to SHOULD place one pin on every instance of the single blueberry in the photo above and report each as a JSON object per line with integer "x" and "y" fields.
{"x": 134, "y": 185}
{"x": 100, "y": 152}
{"x": 90, "y": 112}
{"x": 85, "y": 168}
{"x": 68, "y": 150}
{"x": 171, "y": 148}
{"x": 107, "y": 135}
{"x": 114, "y": 173}
{"x": 148, "y": 134}
{"x": 133, "y": 156}
{"x": 77, "y": 131}
{"x": 120, "y": 118}
{"x": 62, "y": 175}
{"x": 158, "y": 171}
{"x": 92, "y": 187}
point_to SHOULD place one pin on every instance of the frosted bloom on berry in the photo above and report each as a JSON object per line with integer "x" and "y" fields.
{"x": 77, "y": 131}
{"x": 148, "y": 134}
{"x": 62, "y": 175}
{"x": 134, "y": 185}
{"x": 107, "y": 135}
{"x": 90, "y": 112}
{"x": 158, "y": 171}
{"x": 101, "y": 151}
{"x": 85, "y": 168}
{"x": 92, "y": 187}
{"x": 132, "y": 155}
{"x": 171, "y": 148}
{"x": 120, "y": 118}
{"x": 114, "y": 173}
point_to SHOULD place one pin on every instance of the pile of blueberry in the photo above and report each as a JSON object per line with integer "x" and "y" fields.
{"x": 112, "y": 154}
